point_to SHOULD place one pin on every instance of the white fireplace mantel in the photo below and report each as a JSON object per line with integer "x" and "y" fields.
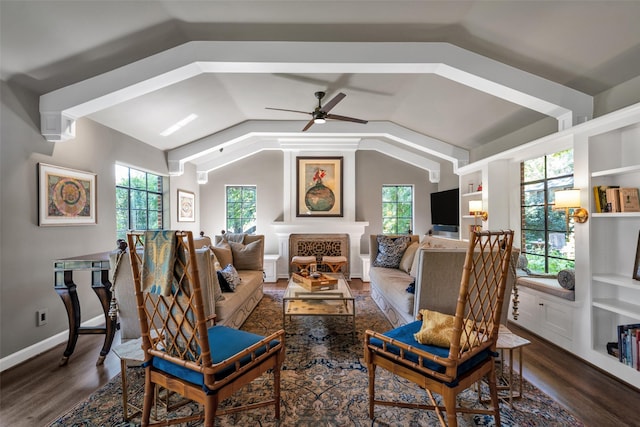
{"x": 355, "y": 230}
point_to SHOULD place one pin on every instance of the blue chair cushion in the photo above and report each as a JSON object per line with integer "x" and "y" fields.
{"x": 405, "y": 334}
{"x": 224, "y": 342}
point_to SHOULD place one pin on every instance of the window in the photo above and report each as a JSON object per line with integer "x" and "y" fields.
{"x": 138, "y": 201}
{"x": 547, "y": 236}
{"x": 397, "y": 209}
{"x": 241, "y": 209}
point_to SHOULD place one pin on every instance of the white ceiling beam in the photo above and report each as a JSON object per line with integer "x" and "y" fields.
{"x": 194, "y": 58}
{"x": 341, "y": 135}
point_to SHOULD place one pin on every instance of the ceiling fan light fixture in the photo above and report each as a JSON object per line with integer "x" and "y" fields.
{"x": 319, "y": 120}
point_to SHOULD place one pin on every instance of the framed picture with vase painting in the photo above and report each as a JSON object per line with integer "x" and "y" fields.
{"x": 319, "y": 187}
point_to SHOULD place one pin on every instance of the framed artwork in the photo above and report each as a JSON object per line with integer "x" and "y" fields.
{"x": 319, "y": 186}
{"x": 66, "y": 196}
{"x": 186, "y": 206}
{"x": 636, "y": 266}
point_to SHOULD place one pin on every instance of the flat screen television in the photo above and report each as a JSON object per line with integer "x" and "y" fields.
{"x": 445, "y": 207}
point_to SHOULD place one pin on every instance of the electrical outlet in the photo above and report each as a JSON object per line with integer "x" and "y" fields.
{"x": 42, "y": 317}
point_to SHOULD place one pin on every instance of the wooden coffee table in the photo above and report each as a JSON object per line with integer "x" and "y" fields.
{"x": 298, "y": 301}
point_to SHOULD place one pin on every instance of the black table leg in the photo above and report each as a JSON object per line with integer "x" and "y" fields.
{"x": 69, "y": 297}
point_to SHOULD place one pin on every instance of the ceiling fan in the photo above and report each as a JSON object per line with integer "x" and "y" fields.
{"x": 321, "y": 113}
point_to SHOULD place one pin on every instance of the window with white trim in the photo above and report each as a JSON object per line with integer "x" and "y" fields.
{"x": 547, "y": 236}
{"x": 139, "y": 201}
{"x": 397, "y": 209}
{"x": 241, "y": 208}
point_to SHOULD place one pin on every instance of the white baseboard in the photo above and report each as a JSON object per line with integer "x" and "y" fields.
{"x": 42, "y": 346}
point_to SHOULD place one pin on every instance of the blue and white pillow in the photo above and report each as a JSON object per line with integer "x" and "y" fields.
{"x": 229, "y": 278}
{"x": 390, "y": 251}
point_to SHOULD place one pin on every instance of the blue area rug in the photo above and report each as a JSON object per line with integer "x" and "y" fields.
{"x": 324, "y": 383}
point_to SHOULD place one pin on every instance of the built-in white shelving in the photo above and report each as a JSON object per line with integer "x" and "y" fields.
{"x": 614, "y": 160}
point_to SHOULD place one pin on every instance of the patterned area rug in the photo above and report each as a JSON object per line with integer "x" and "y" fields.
{"x": 324, "y": 383}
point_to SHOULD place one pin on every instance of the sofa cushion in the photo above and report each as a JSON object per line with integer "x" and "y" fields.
{"x": 390, "y": 251}
{"x": 223, "y": 253}
{"x": 251, "y": 280}
{"x": 209, "y": 283}
{"x": 407, "y": 259}
{"x": 393, "y": 284}
{"x": 247, "y": 257}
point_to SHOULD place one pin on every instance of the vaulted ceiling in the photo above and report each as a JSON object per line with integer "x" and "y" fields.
{"x": 586, "y": 46}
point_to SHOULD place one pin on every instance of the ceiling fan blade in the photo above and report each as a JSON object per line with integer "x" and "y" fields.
{"x": 284, "y": 109}
{"x": 308, "y": 125}
{"x": 329, "y": 105}
{"x": 346, "y": 119}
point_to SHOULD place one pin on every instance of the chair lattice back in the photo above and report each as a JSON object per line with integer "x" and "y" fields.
{"x": 173, "y": 323}
{"x": 481, "y": 295}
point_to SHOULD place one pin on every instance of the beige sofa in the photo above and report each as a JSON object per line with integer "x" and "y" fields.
{"x": 231, "y": 308}
{"x": 436, "y": 268}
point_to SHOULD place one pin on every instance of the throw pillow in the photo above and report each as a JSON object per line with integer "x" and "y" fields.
{"x": 233, "y": 237}
{"x": 214, "y": 267}
{"x": 437, "y": 329}
{"x": 247, "y": 257}
{"x": 407, "y": 258}
{"x": 223, "y": 252}
{"x": 390, "y": 251}
{"x": 230, "y": 278}
{"x": 567, "y": 278}
{"x": 412, "y": 287}
{"x": 224, "y": 285}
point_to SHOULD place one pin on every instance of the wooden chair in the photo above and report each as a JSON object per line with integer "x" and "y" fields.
{"x": 183, "y": 355}
{"x": 472, "y": 339}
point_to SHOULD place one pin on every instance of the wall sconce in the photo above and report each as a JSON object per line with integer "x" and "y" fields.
{"x": 475, "y": 209}
{"x": 570, "y": 199}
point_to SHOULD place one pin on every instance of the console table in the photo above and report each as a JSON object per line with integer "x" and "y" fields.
{"x": 98, "y": 265}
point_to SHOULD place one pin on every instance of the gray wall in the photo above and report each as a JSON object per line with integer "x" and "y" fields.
{"x": 374, "y": 169}
{"x": 263, "y": 170}
{"x": 28, "y": 251}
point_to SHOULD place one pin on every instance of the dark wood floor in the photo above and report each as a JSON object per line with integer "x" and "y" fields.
{"x": 37, "y": 391}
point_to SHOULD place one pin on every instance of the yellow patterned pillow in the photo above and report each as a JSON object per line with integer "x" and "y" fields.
{"x": 437, "y": 329}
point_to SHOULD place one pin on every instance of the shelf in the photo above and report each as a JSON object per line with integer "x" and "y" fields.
{"x": 472, "y": 194}
{"x": 615, "y": 214}
{"x": 616, "y": 306}
{"x": 617, "y": 171}
{"x": 618, "y": 280}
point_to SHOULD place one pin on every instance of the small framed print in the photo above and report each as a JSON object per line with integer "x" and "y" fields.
{"x": 186, "y": 206}
{"x": 636, "y": 265}
{"x": 66, "y": 196}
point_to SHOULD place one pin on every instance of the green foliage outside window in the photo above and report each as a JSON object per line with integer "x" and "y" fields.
{"x": 138, "y": 201}
{"x": 397, "y": 209}
{"x": 241, "y": 209}
{"x": 547, "y": 238}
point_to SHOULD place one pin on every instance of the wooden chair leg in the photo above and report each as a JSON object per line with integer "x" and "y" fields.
{"x": 450, "y": 403}
{"x": 210, "y": 409}
{"x": 493, "y": 390}
{"x": 149, "y": 398}
{"x": 372, "y": 388}
{"x": 276, "y": 391}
